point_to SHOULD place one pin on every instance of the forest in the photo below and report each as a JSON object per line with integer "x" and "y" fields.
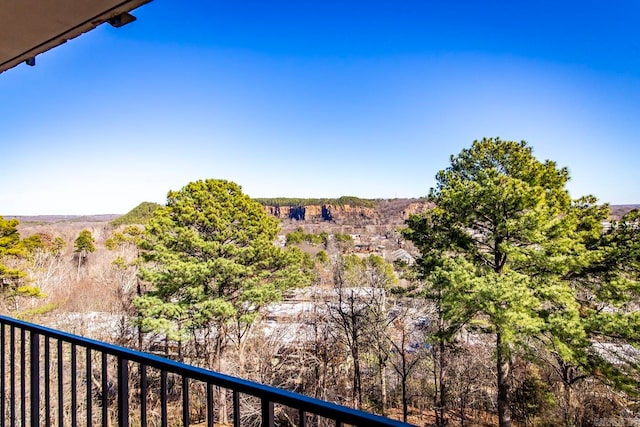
{"x": 520, "y": 305}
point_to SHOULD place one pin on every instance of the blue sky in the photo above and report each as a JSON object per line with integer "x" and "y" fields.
{"x": 320, "y": 99}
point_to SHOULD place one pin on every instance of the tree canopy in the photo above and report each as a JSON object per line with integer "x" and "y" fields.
{"x": 10, "y": 246}
{"x": 210, "y": 259}
{"x": 84, "y": 243}
{"x": 501, "y": 246}
{"x": 138, "y": 215}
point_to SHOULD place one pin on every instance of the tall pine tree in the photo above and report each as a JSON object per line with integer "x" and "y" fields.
{"x": 211, "y": 263}
{"x": 497, "y": 251}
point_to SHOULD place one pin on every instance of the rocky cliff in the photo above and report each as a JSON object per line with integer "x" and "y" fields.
{"x": 377, "y": 212}
{"x": 326, "y": 212}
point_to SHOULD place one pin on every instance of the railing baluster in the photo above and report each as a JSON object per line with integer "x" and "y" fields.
{"x": 267, "y": 413}
{"x": 12, "y": 379}
{"x": 60, "y": 384}
{"x": 302, "y": 418}
{"x": 143, "y": 395}
{"x": 123, "y": 392}
{"x": 2, "y": 378}
{"x": 34, "y": 364}
{"x": 210, "y": 407}
{"x": 47, "y": 381}
{"x": 236, "y": 408}
{"x": 23, "y": 378}
{"x": 25, "y": 409}
{"x": 74, "y": 386}
{"x": 163, "y": 398}
{"x": 89, "y": 380}
{"x": 185, "y": 401}
{"x": 105, "y": 391}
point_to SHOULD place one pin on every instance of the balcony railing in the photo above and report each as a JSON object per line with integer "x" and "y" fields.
{"x": 52, "y": 378}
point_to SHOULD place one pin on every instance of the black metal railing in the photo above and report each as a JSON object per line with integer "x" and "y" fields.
{"x": 53, "y": 378}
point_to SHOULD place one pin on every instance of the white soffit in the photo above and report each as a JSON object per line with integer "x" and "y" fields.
{"x": 31, "y": 27}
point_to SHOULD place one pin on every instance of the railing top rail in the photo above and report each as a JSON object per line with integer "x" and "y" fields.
{"x": 273, "y": 394}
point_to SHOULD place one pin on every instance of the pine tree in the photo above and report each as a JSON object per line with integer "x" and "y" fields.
{"x": 497, "y": 250}
{"x": 83, "y": 246}
{"x": 211, "y": 263}
{"x": 10, "y": 247}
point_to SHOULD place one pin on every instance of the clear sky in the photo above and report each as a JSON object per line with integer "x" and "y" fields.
{"x": 320, "y": 99}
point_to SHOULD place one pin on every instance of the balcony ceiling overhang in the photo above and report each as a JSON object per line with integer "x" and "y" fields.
{"x": 31, "y": 27}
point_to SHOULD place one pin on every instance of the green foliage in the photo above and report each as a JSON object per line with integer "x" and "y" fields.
{"x": 43, "y": 241}
{"x": 299, "y": 236}
{"x": 32, "y": 243}
{"x": 343, "y": 238}
{"x": 506, "y": 215}
{"x": 322, "y": 257}
{"x": 130, "y": 235}
{"x": 34, "y": 312}
{"x": 371, "y": 271}
{"x": 30, "y": 291}
{"x": 296, "y": 237}
{"x": 57, "y": 245}
{"x": 10, "y": 247}
{"x": 502, "y": 244}
{"x": 85, "y": 242}
{"x": 138, "y": 215}
{"x": 340, "y": 201}
{"x": 210, "y": 258}
{"x": 14, "y": 281}
{"x": 532, "y": 396}
{"x": 9, "y": 237}
{"x": 608, "y": 285}
{"x": 343, "y": 241}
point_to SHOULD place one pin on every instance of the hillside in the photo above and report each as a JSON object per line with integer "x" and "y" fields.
{"x": 345, "y": 210}
{"x": 617, "y": 211}
{"x": 349, "y": 211}
{"x": 47, "y": 219}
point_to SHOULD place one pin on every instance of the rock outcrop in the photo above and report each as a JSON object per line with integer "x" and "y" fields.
{"x": 416, "y": 207}
{"x": 379, "y": 212}
{"x": 328, "y": 212}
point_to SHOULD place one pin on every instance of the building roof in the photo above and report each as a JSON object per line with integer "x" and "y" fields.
{"x": 31, "y": 27}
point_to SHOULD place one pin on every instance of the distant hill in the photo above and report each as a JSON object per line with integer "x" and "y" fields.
{"x": 346, "y": 210}
{"x": 382, "y": 211}
{"x": 138, "y": 215}
{"x": 618, "y": 211}
{"x": 44, "y": 219}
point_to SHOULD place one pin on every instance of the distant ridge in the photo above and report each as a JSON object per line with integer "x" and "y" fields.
{"x": 138, "y": 215}
{"x": 63, "y": 218}
{"x": 617, "y": 211}
{"x": 141, "y": 213}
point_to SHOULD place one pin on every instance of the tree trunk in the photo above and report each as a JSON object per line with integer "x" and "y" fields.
{"x": 502, "y": 364}
{"x": 138, "y": 293}
{"x": 355, "y": 353}
{"x": 405, "y": 399}
{"x": 383, "y": 388}
{"x": 568, "y": 419}
{"x": 79, "y": 264}
{"x": 436, "y": 386}
{"x": 357, "y": 387}
{"x": 441, "y": 378}
{"x": 222, "y": 392}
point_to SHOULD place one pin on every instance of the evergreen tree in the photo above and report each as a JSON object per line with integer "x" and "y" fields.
{"x": 84, "y": 243}
{"x": 211, "y": 263}
{"x": 83, "y": 246}
{"x": 497, "y": 250}
{"x": 14, "y": 251}
{"x": 10, "y": 247}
